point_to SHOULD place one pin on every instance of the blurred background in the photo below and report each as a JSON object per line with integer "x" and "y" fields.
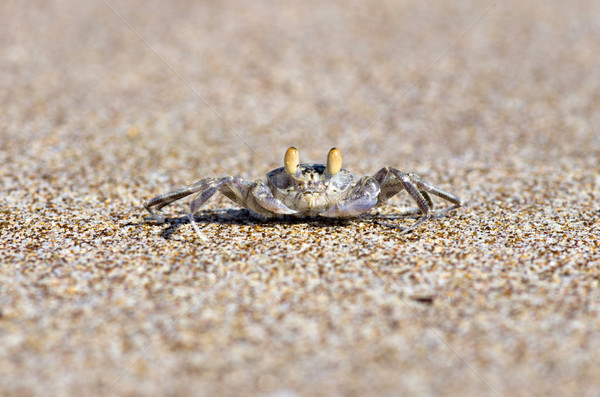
{"x": 199, "y": 88}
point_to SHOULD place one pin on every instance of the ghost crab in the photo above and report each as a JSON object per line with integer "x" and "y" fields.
{"x": 311, "y": 190}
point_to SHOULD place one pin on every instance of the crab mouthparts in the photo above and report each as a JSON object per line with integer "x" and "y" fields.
{"x": 312, "y": 200}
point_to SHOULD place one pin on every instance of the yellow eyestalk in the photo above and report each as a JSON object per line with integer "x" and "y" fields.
{"x": 292, "y": 161}
{"x": 334, "y": 162}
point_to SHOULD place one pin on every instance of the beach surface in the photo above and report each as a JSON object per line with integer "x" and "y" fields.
{"x": 106, "y": 104}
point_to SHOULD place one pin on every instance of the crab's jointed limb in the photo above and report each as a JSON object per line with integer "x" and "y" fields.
{"x": 255, "y": 196}
{"x": 386, "y": 183}
{"x": 360, "y": 199}
{"x": 392, "y": 181}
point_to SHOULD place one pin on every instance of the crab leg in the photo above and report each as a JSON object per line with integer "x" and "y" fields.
{"x": 417, "y": 188}
{"x": 205, "y": 186}
{"x": 255, "y": 196}
{"x": 392, "y": 181}
{"x": 390, "y": 187}
{"x": 428, "y": 187}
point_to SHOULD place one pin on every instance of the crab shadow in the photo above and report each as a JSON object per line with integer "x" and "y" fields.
{"x": 244, "y": 217}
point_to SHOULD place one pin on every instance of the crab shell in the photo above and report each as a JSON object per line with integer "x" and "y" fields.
{"x": 311, "y": 190}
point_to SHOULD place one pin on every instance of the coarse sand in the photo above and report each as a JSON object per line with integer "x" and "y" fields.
{"x": 105, "y": 104}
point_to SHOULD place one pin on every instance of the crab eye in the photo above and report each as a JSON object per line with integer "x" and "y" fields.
{"x": 334, "y": 162}
{"x": 291, "y": 161}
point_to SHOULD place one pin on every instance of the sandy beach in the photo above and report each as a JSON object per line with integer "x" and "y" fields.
{"x": 106, "y": 104}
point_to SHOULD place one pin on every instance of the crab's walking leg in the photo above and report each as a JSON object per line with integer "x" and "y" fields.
{"x": 207, "y": 192}
{"x": 254, "y": 196}
{"x": 393, "y": 181}
{"x": 427, "y": 187}
{"x": 416, "y": 195}
{"x": 205, "y": 186}
{"x": 360, "y": 199}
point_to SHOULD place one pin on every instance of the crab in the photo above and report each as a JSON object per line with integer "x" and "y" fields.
{"x": 308, "y": 190}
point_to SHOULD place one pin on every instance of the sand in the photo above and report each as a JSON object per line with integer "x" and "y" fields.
{"x": 107, "y": 104}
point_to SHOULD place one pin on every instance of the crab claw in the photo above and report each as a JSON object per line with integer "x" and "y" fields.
{"x": 264, "y": 198}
